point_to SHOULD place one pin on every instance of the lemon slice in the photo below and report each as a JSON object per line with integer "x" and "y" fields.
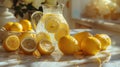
{"x": 11, "y": 43}
{"x": 62, "y": 31}
{"x": 52, "y": 24}
{"x": 46, "y": 16}
{"x": 42, "y": 35}
{"x": 28, "y": 45}
{"x": 45, "y": 47}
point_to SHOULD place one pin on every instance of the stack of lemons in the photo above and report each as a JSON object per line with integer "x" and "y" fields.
{"x": 27, "y": 42}
{"x": 84, "y": 42}
{"x": 23, "y": 25}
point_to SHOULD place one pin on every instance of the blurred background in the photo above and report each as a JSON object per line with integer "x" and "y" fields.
{"x": 78, "y": 13}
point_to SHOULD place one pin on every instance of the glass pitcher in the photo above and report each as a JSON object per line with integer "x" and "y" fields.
{"x": 51, "y": 22}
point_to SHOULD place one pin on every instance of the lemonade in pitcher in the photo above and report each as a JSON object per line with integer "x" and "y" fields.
{"x": 52, "y": 23}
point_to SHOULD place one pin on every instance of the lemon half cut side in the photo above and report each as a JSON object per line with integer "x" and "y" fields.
{"x": 28, "y": 44}
{"x": 52, "y": 24}
{"x": 45, "y": 47}
{"x": 11, "y": 43}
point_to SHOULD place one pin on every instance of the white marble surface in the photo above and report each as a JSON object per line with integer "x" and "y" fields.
{"x": 57, "y": 60}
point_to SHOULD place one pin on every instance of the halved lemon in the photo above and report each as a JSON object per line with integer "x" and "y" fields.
{"x": 11, "y": 43}
{"x": 28, "y": 45}
{"x": 45, "y": 47}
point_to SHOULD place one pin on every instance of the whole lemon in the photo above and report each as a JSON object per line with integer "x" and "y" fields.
{"x": 8, "y": 25}
{"x": 16, "y": 27}
{"x": 68, "y": 45}
{"x": 91, "y": 45}
{"x": 26, "y": 24}
{"x": 104, "y": 39}
{"x": 81, "y": 35}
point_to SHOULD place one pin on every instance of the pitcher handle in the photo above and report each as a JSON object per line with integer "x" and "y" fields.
{"x": 35, "y": 18}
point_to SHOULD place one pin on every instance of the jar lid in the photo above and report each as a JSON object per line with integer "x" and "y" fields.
{"x": 5, "y": 12}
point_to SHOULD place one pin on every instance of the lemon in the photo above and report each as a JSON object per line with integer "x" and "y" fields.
{"x": 16, "y": 27}
{"x": 104, "y": 39}
{"x": 52, "y": 24}
{"x": 42, "y": 35}
{"x": 80, "y": 36}
{"x": 26, "y": 24}
{"x": 45, "y": 47}
{"x": 8, "y": 25}
{"x": 62, "y": 31}
{"x": 47, "y": 16}
{"x": 11, "y": 43}
{"x": 51, "y": 21}
{"x": 68, "y": 45}
{"x": 90, "y": 45}
{"x": 28, "y": 45}
{"x": 26, "y": 34}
